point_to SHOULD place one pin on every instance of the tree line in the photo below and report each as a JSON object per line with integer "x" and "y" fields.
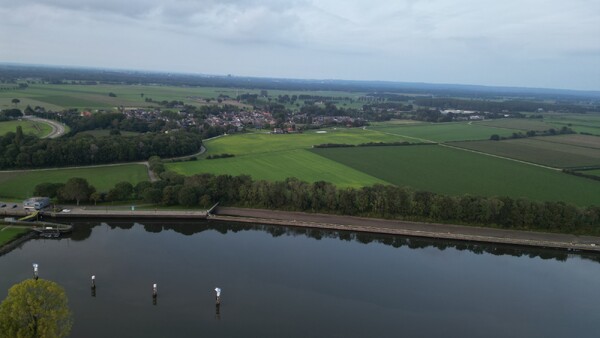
{"x": 501, "y": 106}
{"x": 23, "y": 151}
{"x": 384, "y": 201}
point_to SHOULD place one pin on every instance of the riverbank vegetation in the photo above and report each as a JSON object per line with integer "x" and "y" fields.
{"x": 384, "y": 201}
{"x": 9, "y": 234}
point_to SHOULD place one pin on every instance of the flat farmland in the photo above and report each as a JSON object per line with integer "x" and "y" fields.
{"x": 58, "y": 97}
{"x": 452, "y": 171}
{"x": 442, "y": 132}
{"x": 20, "y": 184}
{"x": 255, "y": 143}
{"x": 277, "y": 166}
{"x": 519, "y": 124}
{"x": 38, "y": 129}
{"x": 586, "y": 141}
{"x": 595, "y": 172}
{"x": 552, "y": 151}
{"x": 586, "y": 123}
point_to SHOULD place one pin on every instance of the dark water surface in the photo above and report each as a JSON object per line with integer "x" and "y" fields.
{"x": 289, "y": 282}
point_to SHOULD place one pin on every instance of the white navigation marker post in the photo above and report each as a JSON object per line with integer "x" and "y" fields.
{"x": 93, "y": 285}
{"x": 218, "y": 300}
{"x": 154, "y": 293}
{"x": 35, "y": 271}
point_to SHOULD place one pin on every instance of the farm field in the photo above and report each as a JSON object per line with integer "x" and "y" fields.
{"x": 20, "y": 184}
{"x": 519, "y": 124}
{"x": 278, "y": 156}
{"x": 256, "y": 143}
{"x": 586, "y": 141}
{"x": 58, "y": 97}
{"x": 38, "y": 129}
{"x": 595, "y": 172}
{"x": 442, "y": 132}
{"x": 451, "y": 171}
{"x": 554, "y": 151}
{"x": 581, "y": 123}
{"x": 277, "y": 166}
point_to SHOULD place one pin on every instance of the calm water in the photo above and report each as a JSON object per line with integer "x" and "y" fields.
{"x": 287, "y": 282}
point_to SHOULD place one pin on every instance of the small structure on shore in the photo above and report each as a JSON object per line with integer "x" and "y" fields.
{"x": 36, "y": 203}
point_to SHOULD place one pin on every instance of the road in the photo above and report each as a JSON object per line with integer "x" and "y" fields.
{"x": 58, "y": 129}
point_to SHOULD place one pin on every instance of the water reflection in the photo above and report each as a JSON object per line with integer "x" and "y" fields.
{"x": 84, "y": 230}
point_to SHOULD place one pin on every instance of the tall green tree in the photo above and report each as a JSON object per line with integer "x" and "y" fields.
{"x": 76, "y": 189}
{"x": 35, "y": 308}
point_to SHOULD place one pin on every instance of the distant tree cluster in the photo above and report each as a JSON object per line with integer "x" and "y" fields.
{"x": 499, "y": 106}
{"x": 22, "y": 151}
{"x": 118, "y": 121}
{"x": 10, "y": 114}
{"x": 217, "y": 156}
{"x": 533, "y": 133}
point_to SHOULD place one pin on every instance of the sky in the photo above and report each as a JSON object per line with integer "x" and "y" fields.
{"x": 522, "y": 43}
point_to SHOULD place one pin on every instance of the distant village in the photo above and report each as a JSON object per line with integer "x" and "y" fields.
{"x": 237, "y": 121}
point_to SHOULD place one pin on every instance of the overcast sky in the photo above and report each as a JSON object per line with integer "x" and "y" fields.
{"x": 526, "y": 43}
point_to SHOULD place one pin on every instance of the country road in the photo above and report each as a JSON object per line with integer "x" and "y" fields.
{"x": 58, "y": 129}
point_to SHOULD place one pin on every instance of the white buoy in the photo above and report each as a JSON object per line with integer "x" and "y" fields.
{"x": 218, "y": 291}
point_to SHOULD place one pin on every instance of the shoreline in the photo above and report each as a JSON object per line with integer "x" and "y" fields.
{"x": 17, "y": 242}
{"x": 345, "y": 223}
{"x": 411, "y": 229}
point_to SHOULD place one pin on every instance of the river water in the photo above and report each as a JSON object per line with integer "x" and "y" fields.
{"x": 290, "y": 282}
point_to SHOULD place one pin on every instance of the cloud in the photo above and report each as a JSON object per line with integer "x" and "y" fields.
{"x": 402, "y": 36}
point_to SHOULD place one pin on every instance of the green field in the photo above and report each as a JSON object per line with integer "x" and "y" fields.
{"x": 595, "y": 172}
{"x": 276, "y": 157}
{"x": 256, "y": 143}
{"x": 586, "y": 123}
{"x": 58, "y": 97}
{"x": 29, "y": 128}
{"x": 298, "y": 163}
{"x": 519, "y": 124}
{"x": 20, "y": 185}
{"x": 7, "y": 234}
{"x": 442, "y": 132}
{"x": 456, "y": 172}
{"x": 564, "y": 151}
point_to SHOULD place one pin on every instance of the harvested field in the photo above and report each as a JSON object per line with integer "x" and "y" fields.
{"x": 552, "y": 151}
{"x": 442, "y": 132}
{"x": 519, "y": 124}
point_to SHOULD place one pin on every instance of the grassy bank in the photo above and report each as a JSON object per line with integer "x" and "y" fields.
{"x": 8, "y": 234}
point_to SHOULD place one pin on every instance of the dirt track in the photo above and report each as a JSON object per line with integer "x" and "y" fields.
{"x": 431, "y": 230}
